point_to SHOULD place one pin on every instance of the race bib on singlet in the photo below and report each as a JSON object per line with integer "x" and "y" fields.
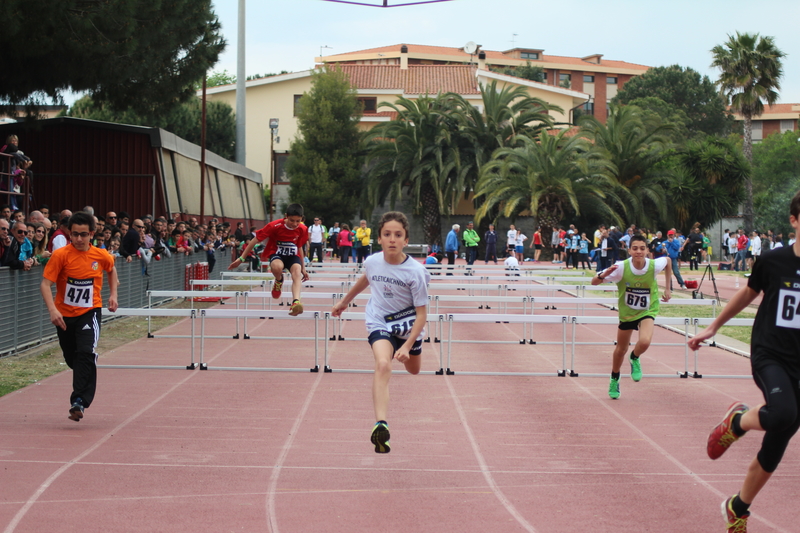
{"x": 287, "y": 248}
{"x": 79, "y": 292}
{"x": 788, "y": 308}
{"x": 401, "y": 322}
{"x": 638, "y": 299}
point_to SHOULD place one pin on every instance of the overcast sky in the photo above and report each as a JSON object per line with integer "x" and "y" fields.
{"x": 288, "y": 34}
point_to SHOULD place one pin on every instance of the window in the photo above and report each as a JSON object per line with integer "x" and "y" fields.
{"x": 757, "y": 125}
{"x": 529, "y": 55}
{"x": 297, "y": 98}
{"x": 787, "y": 125}
{"x": 544, "y": 77}
{"x": 588, "y": 79}
{"x": 611, "y": 80}
{"x": 564, "y": 77}
{"x": 369, "y": 104}
{"x": 588, "y": 108}
{"x": 280, "y": 167}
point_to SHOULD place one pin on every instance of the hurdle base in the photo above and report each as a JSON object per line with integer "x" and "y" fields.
{"x": 150, "y": 335}
{"x": 522, "y": 341}
{"x": 573, "y": 374}
{"x": 203, "y": 366}
{"x": 562, "y": 373}
{"x": 341, "y": 338}
{"x": 440, "y": 372}
{"x": 315, "y": 369}
{"x": 450, "y": 372}
{"x": 327, "y": 370}
{"x": 191, "y": 366}
{"x": 427, "y": 340}
{"x": 697, "y": 376}
{"x": 246, "y": 336}
{"x": 531, "y": 341}
{"x": 683, "y": 375}
{"x": 235, "y": 336}
{"x": 436, "y": 340}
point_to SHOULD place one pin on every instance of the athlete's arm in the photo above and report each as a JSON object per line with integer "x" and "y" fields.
{"x": 245, "y": 252}
{"x": 667, "y": 280}
{"x": 113, "y": 283}
{"x": 354, "y": 291}
{"x": 47, "y": 295}
{"x": 740, "y": 300}
{"x": 402, "y": 354}
{"x": 601, "y": 276}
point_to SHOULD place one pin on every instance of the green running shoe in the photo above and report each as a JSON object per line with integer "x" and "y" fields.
{"x": 380, "y": 438}
{"x": 613, "y": 389}
{"x": 636, "y": 369}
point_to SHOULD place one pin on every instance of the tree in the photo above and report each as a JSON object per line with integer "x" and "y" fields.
{"x": 418, "y": 154}
{"x": 686, "y": 92}
{"x": 526, "y": 71}
{"x": 708, "y": 182}
{"x": 183, "y": 121}
{"x": 142, "y": 54}
{"x": 551, "y": 176}
{"x": 776, "y": 161}
{"x": 324, "y": 166}
{"x": 637, "y": 146}
{"x": 750, "y": 72}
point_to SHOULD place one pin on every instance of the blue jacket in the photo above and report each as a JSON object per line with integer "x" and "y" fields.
{"x": 451, "y": 244}
{"x": 673, "y": 248}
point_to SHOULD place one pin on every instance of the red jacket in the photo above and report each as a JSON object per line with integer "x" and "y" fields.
{"x": 741, "y": 242}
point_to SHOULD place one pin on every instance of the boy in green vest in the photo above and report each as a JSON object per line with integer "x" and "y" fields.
{"x": 638, "y": 304}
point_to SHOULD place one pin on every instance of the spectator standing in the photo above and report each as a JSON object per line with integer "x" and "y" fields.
{"x": 574, "y": 247}
{"x": 490, "y": 238}
{"x": 741, "y": 250}
{"x": 732, "y": 246}
{"x": 364, "y": 238}
{"x": 673, "y": 248}
{"x": 755, "y": 247}
{"x": 40, "y": 253}
{"x": 471, "y": 240}
{"x": 724, "y": 246}
{"x": 59, "y": 237}
{"x": 555, "y": 243}
{"x": 317, "y": 235}
{"x": 5, "y": 212}
{"x": 333, "y": 239}
{"x": 511, "y": 240}
{"x": 520, "y": 247}
{"x": 583, "y": 252}
{"x": 536, "y": 244}
{"x": 111, "y": 218}
{"x": 77, "y": 272}
{"x": 19, "y": 255}
{"x": 345, "y": 243}
{"x": 606, "y": 251}
{"x": 239, "y": 234}
{"x": 451, "y": 246}
{"x": 5, "y": 239}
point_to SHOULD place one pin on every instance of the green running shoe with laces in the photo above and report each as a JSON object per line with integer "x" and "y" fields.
{"x": 613, "y": 389}
{"x": 636, "y": 369}
{"x": 380, "y": 438}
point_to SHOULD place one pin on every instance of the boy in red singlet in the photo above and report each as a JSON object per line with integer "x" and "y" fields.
{"x": 284, "y": 250}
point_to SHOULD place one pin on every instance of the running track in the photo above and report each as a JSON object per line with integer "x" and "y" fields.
{"x": 195, "y": 451}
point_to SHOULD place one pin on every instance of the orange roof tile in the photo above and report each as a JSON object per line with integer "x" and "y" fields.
{"x": 460, "y": 55}
{"x": 417, "y": 79}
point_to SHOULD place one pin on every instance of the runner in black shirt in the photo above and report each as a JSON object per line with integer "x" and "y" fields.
{"x": 775, "y": 361}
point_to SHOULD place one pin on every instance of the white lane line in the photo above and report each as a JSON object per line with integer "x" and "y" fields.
{"x": 487, "y": 474}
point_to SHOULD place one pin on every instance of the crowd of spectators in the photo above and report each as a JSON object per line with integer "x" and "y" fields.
{"x": 28, "y": 240}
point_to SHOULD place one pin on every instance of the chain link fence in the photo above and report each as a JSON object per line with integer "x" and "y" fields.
{"x": 25, "y": 322}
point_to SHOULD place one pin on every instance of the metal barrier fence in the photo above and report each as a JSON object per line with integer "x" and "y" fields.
{"x": 26, "y": 322}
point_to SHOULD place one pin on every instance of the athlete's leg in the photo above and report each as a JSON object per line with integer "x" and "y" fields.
{"x": 646, "y": 327}
{"x": 276, "y": 267}
{"x": 297, "y": 280}
{"x": 84, "y": 369}
{"x": 623, "y": 341}
{"x": 383, "y": 350}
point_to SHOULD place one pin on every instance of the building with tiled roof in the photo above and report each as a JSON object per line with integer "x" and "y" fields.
{"x": 777, "y": 118}
{"x": 276, "y": 97}
{"x": 598, "y": 77}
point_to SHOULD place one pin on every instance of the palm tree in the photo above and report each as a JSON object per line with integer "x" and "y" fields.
{"x": 550, "y": 176}
{"x": 708, "y": 182}
{"x": 751, "y": 70}
{"x": 637, "y": 146}
{"x": 417, "y": 153}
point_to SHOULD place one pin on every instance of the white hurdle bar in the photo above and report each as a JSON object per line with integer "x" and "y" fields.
{"x": 242, "y": 313}
{"x": 228, "y": 283}
{"x": 516, "y": 319}
{"x": 350, "y": 316}
{"x": 747, "y": 322}
{"x": 128, "y": 311}
{"x": 191, "y": 295}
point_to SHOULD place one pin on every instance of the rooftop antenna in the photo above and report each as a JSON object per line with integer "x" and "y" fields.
{"x": 514, "y": 39}
{"x": 470, "y": 48}
{"x": 321, "y": 47}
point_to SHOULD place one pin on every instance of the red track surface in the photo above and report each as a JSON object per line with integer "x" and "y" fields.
{"x": 196, "y": 451}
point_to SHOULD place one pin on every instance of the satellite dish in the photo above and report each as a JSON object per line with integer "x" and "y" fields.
{"x": 470, "y": 47}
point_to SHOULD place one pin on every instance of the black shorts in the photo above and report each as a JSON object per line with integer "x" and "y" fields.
{"x": 397, "y": 342}
{"x": 537, "y": 246}
{"x": 634, "y": 324}
{"x": 288, "y": 260}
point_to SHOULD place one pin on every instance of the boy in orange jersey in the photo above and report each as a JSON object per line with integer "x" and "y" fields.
{"x": 77, "y": 271}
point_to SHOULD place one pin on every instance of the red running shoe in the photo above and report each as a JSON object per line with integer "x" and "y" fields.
{"x": 722, "y": 436}
{"x": 277, "y": 289}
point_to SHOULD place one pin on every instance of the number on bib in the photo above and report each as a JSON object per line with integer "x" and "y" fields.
{"x": 79, "y": 292}
{"x": 400, "y": 323}
{"x": 287, "y": 248}
{"x": 788, "y": 309}
{"x": 637, "y": 298}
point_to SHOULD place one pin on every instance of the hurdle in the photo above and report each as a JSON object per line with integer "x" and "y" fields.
{"x": 190, "y": 295}
{"x": 129, "y": 311}
{"x": 228, "y": 283}
{"x": 242, "y": 313}
{"x": 516, "y": 319}
{"x": 351, "y": 316}
{"x": 707, "y": 322}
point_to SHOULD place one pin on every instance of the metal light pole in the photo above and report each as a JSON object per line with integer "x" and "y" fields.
{"x": 273, "y": 128}
{"x": 241, "y": 77}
